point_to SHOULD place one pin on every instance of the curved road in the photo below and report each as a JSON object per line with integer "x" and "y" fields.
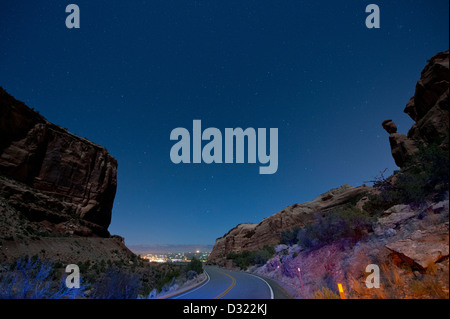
{"x": 229, "y": 284}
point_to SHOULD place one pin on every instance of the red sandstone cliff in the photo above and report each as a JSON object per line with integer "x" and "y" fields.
{"x": 428, "y": 108}
{"x": 51, "y": 176}
{"x": 252, "y": 237}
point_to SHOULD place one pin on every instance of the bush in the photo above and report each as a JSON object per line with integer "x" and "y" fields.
{"x": 246, "y": 258}
{"x": 84, "y": 267}
{"x": 242, "y": 260}
{"x": 424, "y": 176}
{"x": 195, "y": 265}
{"x": 289, "y": 237}
{"x": 166, "y": 277}
{"x": 260, "y": 257}
{"x": 116, "y": 283}
{"x": 346, "y": 223}
{"x": 32, "y": 278}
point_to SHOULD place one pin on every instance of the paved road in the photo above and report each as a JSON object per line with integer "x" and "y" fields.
{"x": 228, "y": 284}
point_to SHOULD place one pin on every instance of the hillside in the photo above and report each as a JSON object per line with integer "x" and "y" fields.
{"x": 56, "y": 190}
{"x": 268, "y": 232}
{"x": 399, "y": 224}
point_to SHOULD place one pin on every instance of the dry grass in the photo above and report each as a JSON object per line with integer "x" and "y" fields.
{"x": 357, "y": 288}
{"x": 392, "y": 274}
{"x": 433, "y": 284}
{"x": 382, "y": 293}
{"x": 400, "y": 283}
{"x": 325, "y": 293}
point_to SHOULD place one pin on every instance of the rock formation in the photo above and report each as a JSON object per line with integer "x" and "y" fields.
{"x": 420, "y": 252}
{"x": 428, "y": 108}
{"x": 252, "y": 237}
{"x": 51, "y": 176}
{"x": 410, "y": 245}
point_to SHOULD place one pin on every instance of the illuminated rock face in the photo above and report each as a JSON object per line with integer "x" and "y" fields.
{"x": 252, "y": 237}
{"x": 428, "y": 108}
{"x": 421, "y": 252}
{"x": 52, "y": 175}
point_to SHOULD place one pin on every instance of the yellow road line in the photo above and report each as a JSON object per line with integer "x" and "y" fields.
{"x": 233, "y": 283}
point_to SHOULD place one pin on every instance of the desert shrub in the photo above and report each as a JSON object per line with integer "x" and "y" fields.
{"x": 434, "y": 162}
{"x": 432, "y": 284}
{"x": 116, "y": 283}
{"x": 242, "y": 259}
{"x": 165, "y": 277}
{"x": 425, "y": 175}
{"x": 325, "y": 293}
{"x": 246, "y": 258}
{"x": 289, "y": 237}
{"x": 33, "y": 278}
{"x": 260, "y": 257}
{"x": 195, "y": 265}
{"x": 84, "y": 266}
{"x": 349, "y": 223}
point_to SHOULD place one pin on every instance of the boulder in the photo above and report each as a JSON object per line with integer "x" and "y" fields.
{"x": 280, "y": 248}
{"x": 420, "y": 251}
{"x": 396, "y": 215}
{"x": 389, "y": 126}
{"x": 442, "y": 206}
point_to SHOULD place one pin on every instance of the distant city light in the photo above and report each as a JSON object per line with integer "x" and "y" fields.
{"x": 182, "y": 257}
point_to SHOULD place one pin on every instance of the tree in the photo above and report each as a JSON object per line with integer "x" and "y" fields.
{"x": 195, "y": 265}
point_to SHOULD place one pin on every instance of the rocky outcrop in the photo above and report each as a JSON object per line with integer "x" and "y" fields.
{"x": 413, "y": 259}
{"x": 396, "y": 215}
{"x": 408, "y": 242}
{"x": 428, "y": 108}
{"x": 422, "y": 251}
{"x": 252, "y": 237}
{"x": 427, "y": 244}
{"x": 402, "y": 147}
{"x": 52, "y": 176}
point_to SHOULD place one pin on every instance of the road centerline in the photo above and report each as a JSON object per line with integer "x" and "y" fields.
{"x": 233, "y": 283}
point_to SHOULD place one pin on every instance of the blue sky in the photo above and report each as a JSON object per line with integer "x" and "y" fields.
{"x": 135, "y": 70}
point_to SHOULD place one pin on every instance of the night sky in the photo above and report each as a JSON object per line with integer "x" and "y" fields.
{"x": 135, "y": 70}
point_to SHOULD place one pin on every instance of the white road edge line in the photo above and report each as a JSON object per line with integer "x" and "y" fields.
{"x": 188, "y": 292}
{"x": 271, "y": 291}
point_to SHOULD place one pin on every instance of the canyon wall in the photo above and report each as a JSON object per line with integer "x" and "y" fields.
{"x": 51, "y": 176}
